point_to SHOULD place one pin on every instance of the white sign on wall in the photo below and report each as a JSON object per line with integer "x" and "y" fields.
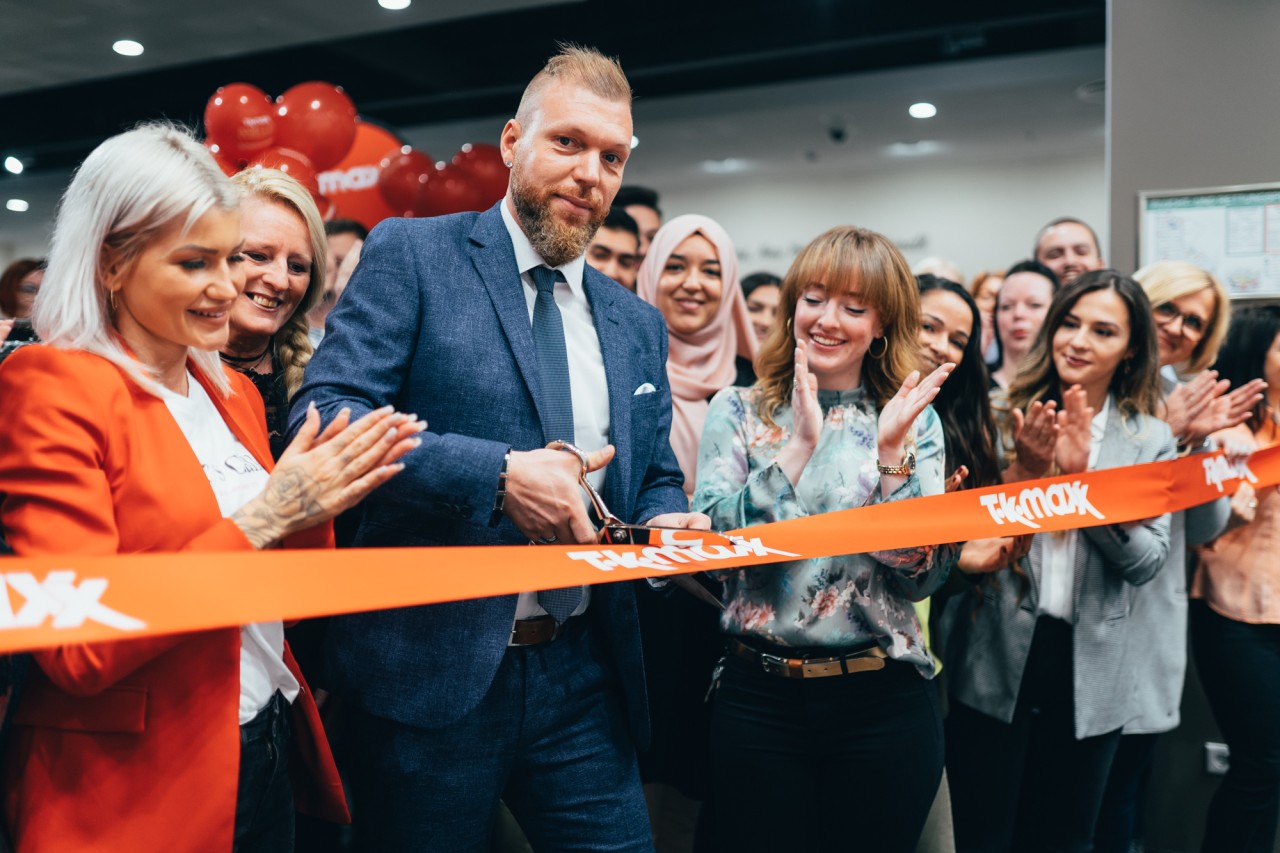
{"x": 1233, "y": 232}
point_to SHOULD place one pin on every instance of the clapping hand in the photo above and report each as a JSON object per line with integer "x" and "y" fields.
{"x": 806, "y": 418}
{"x": 1075, "y": 431}
{"x": 1223, "y": 412}
{"x": 901, "y": 412}
{"x": 1035, "y": 438}
{"x": 325, "y": 472}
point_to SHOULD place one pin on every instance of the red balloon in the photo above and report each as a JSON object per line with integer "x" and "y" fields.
{"x": 482, "y": 165}
{"x": 403, "y": 177}
{"x": 293, "y": 164}
{"x": 228, "y": 166}
{"x": 317, "y": 119}
{"x": 450, "y": 192}
{"x": 353, "y": 183}
{"x": 240, "y": 120}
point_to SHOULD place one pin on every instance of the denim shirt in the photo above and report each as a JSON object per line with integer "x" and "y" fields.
{"x": 827, "y": 602}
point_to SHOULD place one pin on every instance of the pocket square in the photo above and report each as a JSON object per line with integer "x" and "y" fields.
{"x": 646, "y": 388}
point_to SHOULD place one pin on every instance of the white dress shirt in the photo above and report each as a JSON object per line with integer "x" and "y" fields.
{"x": 1058, "y": 550}
{"x": 588, "y": 386}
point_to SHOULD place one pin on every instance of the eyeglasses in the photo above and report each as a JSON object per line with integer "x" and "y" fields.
{"x": 1193, "y": 326}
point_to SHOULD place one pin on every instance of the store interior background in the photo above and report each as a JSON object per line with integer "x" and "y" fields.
{"x": 778, "y": 119}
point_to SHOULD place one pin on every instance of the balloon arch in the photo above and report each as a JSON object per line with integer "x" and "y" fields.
{"x": 354, "y": 169}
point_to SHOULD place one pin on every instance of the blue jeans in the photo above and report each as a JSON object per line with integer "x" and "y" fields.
{"x": 550, "y": 738}
{"x": 1239, "y": 666}
{"x": 264, "y": 799}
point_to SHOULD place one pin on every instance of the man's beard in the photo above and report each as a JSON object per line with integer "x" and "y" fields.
{"x": 556, "y": 241}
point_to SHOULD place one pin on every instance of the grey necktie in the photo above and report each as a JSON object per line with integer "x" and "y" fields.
{"x": 557, "y": 402}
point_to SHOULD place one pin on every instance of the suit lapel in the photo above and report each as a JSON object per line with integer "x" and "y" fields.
{"x": 616, "y": 353}
{"x": 1118, "y": 448}
{"x": 495, "y": 262}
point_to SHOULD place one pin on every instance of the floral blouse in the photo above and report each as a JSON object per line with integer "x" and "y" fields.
{"x": 826, "y": 602}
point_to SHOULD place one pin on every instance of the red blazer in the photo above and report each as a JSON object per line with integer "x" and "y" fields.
{"x": 130, "y": 745}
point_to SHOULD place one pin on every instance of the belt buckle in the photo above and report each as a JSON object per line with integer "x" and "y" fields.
{"x": 774, "y": 665}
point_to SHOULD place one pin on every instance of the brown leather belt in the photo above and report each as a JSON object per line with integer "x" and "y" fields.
{"x": 538, "y": 630}
{"x": 864, "y": 660}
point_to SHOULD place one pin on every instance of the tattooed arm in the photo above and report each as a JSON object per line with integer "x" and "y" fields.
{"x": 321, "y": 474}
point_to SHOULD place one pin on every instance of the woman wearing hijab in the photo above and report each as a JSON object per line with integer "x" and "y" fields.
{"x": 691, "y": 275}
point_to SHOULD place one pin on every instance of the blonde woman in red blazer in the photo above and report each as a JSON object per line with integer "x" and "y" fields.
{"x": 136, "y": 744}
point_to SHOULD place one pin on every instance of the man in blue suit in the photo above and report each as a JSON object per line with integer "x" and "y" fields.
{"x": 491, "y": 328}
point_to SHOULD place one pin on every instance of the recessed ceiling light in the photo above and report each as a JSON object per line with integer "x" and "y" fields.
{"x": 924, "y": 109}
{"x": 127, "y": 47}
{"x": 13, "y": 164}
{"x": 635, "y": 140}
{"x": 727, "y": 166}
{"x": 394, "y": 5}
{"x": 920, "y": 148}
{"x": 17, "y": 205}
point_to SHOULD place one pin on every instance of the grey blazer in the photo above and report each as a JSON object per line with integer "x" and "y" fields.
{"x": 992, "y": 631}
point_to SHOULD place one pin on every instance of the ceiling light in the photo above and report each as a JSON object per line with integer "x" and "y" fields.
{"x": 727, "y": 166}
{"x": 17, "y": 205}
{"x": 394, "y": 5}
{"x": 924, "y": 109}
{"x": 127, "y": 47}
{"x": 635, "y": 140}
{"x": 13, "y": 164}
{"x": 921, "y": 148}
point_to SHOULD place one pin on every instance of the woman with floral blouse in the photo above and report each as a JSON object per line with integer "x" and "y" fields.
{"x": 825, "y": 728}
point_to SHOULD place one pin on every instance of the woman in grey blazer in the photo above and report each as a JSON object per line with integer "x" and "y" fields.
{"x": 1041, "y": 690}
{"x": 1191, "y": 312}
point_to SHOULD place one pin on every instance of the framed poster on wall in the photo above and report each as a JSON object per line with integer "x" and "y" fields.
{"x": 1234, "y": 232}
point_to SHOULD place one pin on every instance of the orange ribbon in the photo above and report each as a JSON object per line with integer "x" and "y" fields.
{"x": 49, "y": 601}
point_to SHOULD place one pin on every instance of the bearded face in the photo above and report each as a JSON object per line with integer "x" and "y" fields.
{"x": 557, "y": 227}
{"x": 567, "y": 151}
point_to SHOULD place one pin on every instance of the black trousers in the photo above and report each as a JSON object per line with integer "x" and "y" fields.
{"x": 1239, "y": 666}
{"x": 839, "y": 763}
{"x": 264, "y": 800}
{"x": 1028, "y": 785}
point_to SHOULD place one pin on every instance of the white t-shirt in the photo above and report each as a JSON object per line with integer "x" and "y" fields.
{"x": 236, "y": 477}
{"x": 1058, "y": 552}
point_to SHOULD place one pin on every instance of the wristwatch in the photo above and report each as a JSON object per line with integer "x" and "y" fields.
{"x": 907, "y": 468}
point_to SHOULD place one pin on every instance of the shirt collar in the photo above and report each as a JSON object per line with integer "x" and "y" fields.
{"x": 527, "y": 257}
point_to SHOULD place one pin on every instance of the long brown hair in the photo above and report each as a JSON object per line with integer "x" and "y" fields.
{"x": 846, "y": 259}
{"x": 1134, "y": 382}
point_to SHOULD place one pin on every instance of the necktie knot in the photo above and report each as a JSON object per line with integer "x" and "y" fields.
{"x": 545, "y": 278}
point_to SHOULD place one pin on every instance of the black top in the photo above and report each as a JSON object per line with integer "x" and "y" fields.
{"x": 276, "y": 400}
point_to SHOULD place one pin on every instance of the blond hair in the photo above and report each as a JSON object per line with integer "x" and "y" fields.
{"x": 292, "y": 344}
{"x": 1166, "y": 281}
{"x": 846, "y": 259}
{"x": 126, "y": 192}
{"x": 587, "y": 67}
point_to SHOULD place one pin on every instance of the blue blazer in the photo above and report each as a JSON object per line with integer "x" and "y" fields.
{"x": 434, "y": 322}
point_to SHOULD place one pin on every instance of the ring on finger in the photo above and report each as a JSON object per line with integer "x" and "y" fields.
{"x": 548, "y": 540}
{"x": 795, "y": 384}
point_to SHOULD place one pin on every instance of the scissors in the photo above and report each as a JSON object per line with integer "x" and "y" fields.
{"x": 612, "y": 530}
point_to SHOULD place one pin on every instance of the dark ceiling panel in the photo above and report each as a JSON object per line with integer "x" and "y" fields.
{"x": 477, "y": 67}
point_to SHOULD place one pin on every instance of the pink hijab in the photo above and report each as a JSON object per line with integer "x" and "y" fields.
{"x": 701, "y": 363}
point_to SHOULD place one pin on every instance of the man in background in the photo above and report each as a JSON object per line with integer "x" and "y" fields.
{"x": 1069, "y": 247}
{"x": 615, "y": 250}
{"x": 641, "y": 204}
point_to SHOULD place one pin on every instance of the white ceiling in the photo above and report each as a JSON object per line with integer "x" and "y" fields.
{"x": 54, "y": 42}
{"x": 1013, "y": 109}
